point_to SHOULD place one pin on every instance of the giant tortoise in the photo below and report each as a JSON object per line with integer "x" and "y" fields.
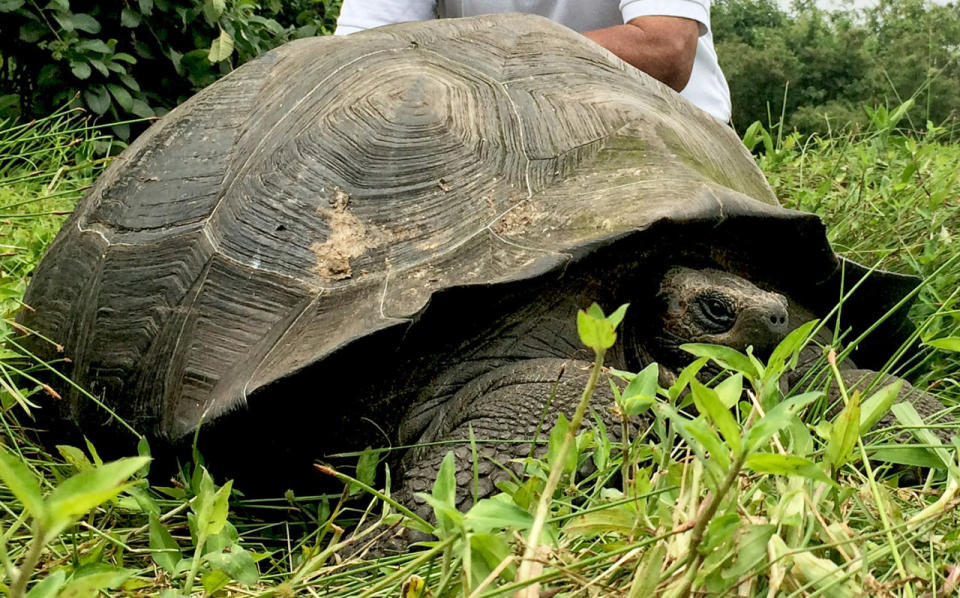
{"x": 384, "y": 239}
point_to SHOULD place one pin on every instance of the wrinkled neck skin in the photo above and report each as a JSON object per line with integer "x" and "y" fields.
{"x": 541, "y": 329}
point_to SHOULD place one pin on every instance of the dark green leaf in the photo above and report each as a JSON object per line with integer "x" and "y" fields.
{"x": 97, "y": 98}
{"x": 11, "y": 5}
{"x": 121, "y": 95}
{"x": 141, "y": 109}
{"x": 80, "y": 70}
{"x": 212, "y": 9}
{"x": 99, "y": 65}
{"x": 85, "y": 22}
{"x": 94, "y": 45}
{"x": 129, "y": 18}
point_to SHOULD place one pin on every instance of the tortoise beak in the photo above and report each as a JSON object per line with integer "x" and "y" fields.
{"x": 763, "y": 325}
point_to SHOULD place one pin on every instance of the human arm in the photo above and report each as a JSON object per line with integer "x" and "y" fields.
{"x": 661, "y": 46}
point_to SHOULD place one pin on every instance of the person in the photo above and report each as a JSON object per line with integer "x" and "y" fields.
{"x": 667, "y": 39}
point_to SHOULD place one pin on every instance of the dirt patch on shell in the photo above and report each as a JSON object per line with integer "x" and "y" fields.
{"x": 518, "y": 219}
{"x": 349, "y": 238}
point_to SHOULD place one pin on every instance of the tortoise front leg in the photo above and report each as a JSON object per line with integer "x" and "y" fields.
{"x": 504, "y": 408}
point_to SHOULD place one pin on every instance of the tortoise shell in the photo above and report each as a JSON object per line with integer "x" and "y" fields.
{"x": 269, "y": 246}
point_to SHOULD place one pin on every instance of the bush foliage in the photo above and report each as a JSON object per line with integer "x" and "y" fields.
{"x": 137, "y": 58}
{"x": 818, "y": 67}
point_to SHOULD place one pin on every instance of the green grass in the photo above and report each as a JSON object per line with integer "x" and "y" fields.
{"x": 837, "y": 525}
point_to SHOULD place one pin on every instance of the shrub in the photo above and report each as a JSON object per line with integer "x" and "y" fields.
{"x": 137, "y": 58}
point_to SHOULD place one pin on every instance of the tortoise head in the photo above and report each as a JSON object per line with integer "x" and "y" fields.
{"x": 716, "y": 307}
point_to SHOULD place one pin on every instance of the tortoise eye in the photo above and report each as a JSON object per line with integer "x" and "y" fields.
{"x": 717, "y": 311}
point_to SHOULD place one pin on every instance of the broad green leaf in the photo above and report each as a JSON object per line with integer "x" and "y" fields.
{"x": 146, "y": 7}
{"x": 489, "y": 515}
{"x": 619, "y": 519}
{"x": 873, "y": 409}
{"x": 84, "y": 22}
{"x": 726, "y": 357}
{"x": 776, "y": 419}
{"x": 683, "y": 380}
{"x": 708, "y": 403}
{"x": 789, "y": 465}
{"x": 97, "y": 98}
{"x": 647, "y": 575}
{"x": 844, "y": 432}
{"x": 949, "y": 343}
{"x": 212, "y": 9}
{"x": 99, "y": 65}
{"x": 907, "y": 415}
{"x": 488, "y": 551}
{"x": 80, "y": 70}
{"x": 214, "y": 580}
{"x": 616, "y": 317}
{"x": 555, "y": 443}
{"x": 684, "y": 427}
{"x": 48, "y": 586}
{"x": 237, "y": 563}
{"x": 11, "y": 5}
{"x": 719, "y": 532}
{"x": 366, "y": 469}
{"x": 447, "y": 515}
{"x": 74, "y": 457}
{"x": 94, "y": 45}
{"x": 121, "y": 95}
{"x": 87, "y": 490}
{"x": 595, "y": 332}
{"x": 221, "y": 48}
{"x": 710, "y": 441}
{"x": 22, "y": 483}
{"x": 906, "y": 455}
{"x": 789, "y": 349}
{"x": 91, "y": 580}
{"x": 445, "y": 486}
{"x": 730, "y": 390}
{"x": 641, "y": 392}
{"x": 217, "y": 514}
{"x": 163, "y": 548}
{"x": 129, "y": 18}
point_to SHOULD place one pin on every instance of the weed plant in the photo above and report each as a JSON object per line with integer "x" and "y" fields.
{"x": 731, "y": 487}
